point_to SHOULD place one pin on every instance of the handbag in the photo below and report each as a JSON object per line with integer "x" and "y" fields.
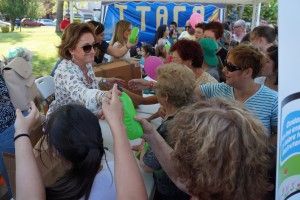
{"x": 20, "y": 83}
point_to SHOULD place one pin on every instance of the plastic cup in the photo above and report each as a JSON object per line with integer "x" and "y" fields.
{"x": 134, "y": 35}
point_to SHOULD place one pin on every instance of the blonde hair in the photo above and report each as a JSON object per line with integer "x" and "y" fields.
{"x": 120, "y": 29}
{"x": 221, "y": 151}
{"x": 176, "y": 82}
{"x": 71, "y": 37}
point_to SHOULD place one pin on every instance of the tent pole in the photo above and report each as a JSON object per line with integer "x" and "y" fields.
{"x": 255, "y": 15}
{"x": 71, "y": 5}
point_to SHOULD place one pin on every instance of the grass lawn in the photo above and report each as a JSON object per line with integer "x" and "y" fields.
{"x": 42, "y": 41}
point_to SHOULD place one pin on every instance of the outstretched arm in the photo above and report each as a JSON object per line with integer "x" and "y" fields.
{"x": 29, "y": 184}
{"x": 162, "y": 152}
{"x": 129, "y": 182}
{"x": 138, "y": 100}
{"x": 119, "y": 52}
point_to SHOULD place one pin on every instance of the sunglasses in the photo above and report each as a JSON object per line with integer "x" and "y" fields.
{"x": 188, "y": 27}
{"x": 87, "y": 48}
{"x": 231, "y": 68}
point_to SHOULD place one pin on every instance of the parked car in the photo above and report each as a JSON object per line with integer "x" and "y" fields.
{"x": 3, "y": 23}
{"x": 77, "y": 18}
{"x": 46, "y": 22}
{"x": 29, "y": 22}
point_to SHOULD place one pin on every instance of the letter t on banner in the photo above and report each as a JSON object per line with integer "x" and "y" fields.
{"x": 143, "y": 10}
{"x": 121, "y": 8}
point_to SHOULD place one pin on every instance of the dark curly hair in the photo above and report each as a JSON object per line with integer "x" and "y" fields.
{"x": 189, "y": 50}
{"x": 215, "y": 27}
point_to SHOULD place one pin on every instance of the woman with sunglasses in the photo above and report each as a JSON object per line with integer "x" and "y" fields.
{"x": 74, "y": 77}
{"x": 103, "y": 47}
{"x": 244, "y": 62}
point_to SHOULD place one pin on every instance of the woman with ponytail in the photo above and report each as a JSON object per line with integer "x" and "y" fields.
{"x": 73, "y": 133}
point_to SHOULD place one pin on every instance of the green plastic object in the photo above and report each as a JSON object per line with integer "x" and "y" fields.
{"x": 167, "y": 47}
{"x": 133, "y": 128}
{"x": 134, "y": 34}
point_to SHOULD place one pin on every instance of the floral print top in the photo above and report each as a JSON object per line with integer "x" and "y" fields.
{"x": 7, "y": 110}
{"x": 71, "y": 86}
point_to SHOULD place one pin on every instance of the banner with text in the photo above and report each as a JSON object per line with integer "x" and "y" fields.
{"x": 288, "y": 154}
{"x": 148, "y": 16}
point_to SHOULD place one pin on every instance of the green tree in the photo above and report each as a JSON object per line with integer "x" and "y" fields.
{"x": 269, "y": 11}
{"x": 14, "y": 9}
{"x": 48, "y": 7}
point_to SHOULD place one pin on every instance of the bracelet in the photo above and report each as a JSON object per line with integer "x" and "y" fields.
{"x": 21, "y": 135}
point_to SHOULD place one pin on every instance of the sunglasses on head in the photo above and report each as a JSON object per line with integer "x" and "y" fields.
{"x": 87, "y": 48}
{"x": 231, "y": 68}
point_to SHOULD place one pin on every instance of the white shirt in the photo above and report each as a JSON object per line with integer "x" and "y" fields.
{"x": 104, "y": 185}
{"x": 125, "y": 57}
{"x": 72, "y": 87}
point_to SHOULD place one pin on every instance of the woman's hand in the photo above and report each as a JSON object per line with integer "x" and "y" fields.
{"x": 148, "y": 128}
{"x": 112, "y": 81}
{"x": 24, "y": 124}
{"x": 130, "y": 45}
{"x": 111, "y": 105}
{"x": 161, "y": 112}
{"x": 139, "y": 84}
{"x": 137, "y": 144}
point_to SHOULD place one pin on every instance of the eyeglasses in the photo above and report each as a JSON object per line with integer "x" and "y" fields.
{"x": 87, "y": 48}
{"x": 231, "y": 68}
{"x": 236, "y": 26}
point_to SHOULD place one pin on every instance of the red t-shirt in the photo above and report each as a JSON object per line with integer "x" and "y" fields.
{"x": 63, "y": 24}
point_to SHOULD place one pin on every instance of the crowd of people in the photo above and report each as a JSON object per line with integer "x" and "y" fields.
{"x": 217, "y": 89}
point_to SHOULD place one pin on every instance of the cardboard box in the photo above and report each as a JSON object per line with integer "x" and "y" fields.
{"x": 118, "y": 69}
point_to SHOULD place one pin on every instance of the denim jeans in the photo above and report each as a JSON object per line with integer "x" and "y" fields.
{"x": 6, "y": 145}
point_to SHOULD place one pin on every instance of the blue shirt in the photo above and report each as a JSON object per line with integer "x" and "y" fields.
{"x": 263, "y": 104}
{"x": 7, "y": 110}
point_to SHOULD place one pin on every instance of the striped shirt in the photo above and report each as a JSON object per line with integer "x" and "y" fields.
{"x": 263, "y": 104}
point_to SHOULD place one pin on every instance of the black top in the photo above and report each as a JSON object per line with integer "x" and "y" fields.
{"x": 164, "y": 185}
{"x": 7, "y": 110}
{"x": 102, "y": 50}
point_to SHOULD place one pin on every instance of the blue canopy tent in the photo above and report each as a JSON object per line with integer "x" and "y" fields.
{"x": 149, "y": 14}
